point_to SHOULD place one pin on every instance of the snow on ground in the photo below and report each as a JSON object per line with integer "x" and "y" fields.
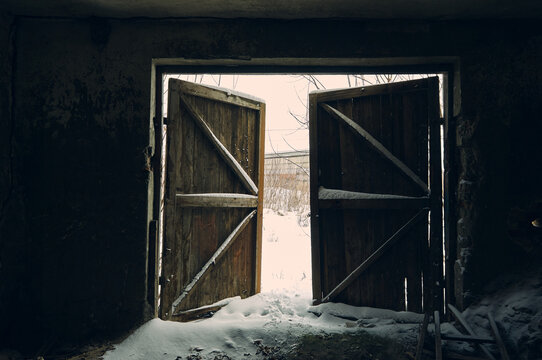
{"x": 286, "y": 253}
{"x": 515, "y": 301}
{"x": 276, "y": 317}
{"x": 271, "y": 319}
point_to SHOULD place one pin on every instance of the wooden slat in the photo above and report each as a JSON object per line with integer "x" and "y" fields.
{"x": 468, "y": 338}
{"x": 196, "y": 314}
{"x": 435, "y": 228}
{"x": 450, "y": 180}
{"x": 170, "y": 253}
{"x": 152, "y": 282}
{"x": 374, "y": 256}
{"x": 212, "y": 261}
{"x": 376, "y": 145}
{"x": 314, "y": 185}
{"x": 201, "y": 312}
{"x": 224, "y": 153}
{"x": 217, "y": 200}
{"x": 259, "y": 217}
{"x": 438, "y": 341}
{"x": 457, "y": 315}
{"x": 498, "y": 338}
{"x": 421, "y": 337}
{"x": 217, "y": 94}
{"x": 340, "y": 199}
{"x": 357, "y": 92}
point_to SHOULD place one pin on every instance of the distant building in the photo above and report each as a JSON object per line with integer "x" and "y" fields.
{"x": 288, "y": 166}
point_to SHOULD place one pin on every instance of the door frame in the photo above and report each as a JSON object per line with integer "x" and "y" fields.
{"x": 447, "y": 66}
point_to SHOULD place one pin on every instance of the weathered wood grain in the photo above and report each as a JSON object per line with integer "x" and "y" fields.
{"x": 222, "y": 95}
{"x": 206, "y": 198}
{"x": 374, "y": 256}
{"x": 219, "y": 253}
{"x": 316, "y": 252}
{"x": 226, "y": 155}
{"x": 377, "y": 145}
{"x": 354, "y": 226}
{"x": 217, "y": 200}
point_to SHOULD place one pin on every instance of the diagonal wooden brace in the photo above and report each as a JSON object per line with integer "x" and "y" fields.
{"x": 224, "y": 153}
{"x": 375, "y": 255}
{"x": 212, "y": 261}
{"x": 377, "y": 145}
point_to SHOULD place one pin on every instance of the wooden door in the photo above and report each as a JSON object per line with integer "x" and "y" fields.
{"x": 213, "y": 196}
{"x": 370, "y": 154}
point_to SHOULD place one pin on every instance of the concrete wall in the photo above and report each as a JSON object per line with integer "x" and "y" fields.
{"x": 499, "y": 131}
{"x": 80, "y": 144}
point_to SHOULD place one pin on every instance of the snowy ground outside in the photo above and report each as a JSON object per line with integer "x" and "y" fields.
{"x": 286, "y": 253}
{"x": 283, "y": 312}
{"x": 275, "y": 317}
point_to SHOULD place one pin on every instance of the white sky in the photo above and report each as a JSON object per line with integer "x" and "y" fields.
{"x": 284, "y": 93}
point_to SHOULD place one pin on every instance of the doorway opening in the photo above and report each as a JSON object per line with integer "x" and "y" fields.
{"x": 286, "y": 261}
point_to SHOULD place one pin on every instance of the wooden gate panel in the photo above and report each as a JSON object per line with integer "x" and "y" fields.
{"x": 233, "y": 274}
{"x": 396, "y": 116}
{"x": 214, "y": 181}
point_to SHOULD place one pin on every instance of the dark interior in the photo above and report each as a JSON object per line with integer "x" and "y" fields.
{"x": 77, "y": 138}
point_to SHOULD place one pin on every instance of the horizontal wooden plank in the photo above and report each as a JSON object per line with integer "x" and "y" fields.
{"x": 359, "y": 131}
{"x": 224, "y": 153}
{"x": 219, "y": 94}
{"x": 356, "y": 92}
{"x": 341, "y": 199}
{"x": 217, "y": 200}
{"x": 213, "y": 260}
{"x": 375, "y": 255}
{"x": 384, "y": 204}
{"x": 468, "y": 338}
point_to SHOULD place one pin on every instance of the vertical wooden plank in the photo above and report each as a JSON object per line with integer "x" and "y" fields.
{"x": 152, "y": 274}
{"x": 314, "y": 184}
{"x": 449, "y": 186}
{"x": 438, "y": 342}
{"x": 395, "y": 135}
{"x": 330, "y": 221}
{"x": 206, "y": 235}
{"x": 421, "y": 336}
{"x": 349, "y": 217}
{"x": 436, "y": 192}
{"x": 174, "y": 145}
{"x": 414, "y": 146}
{"x": 260, "y": 176}
{"x": 361, "y": 222}
{"x": 154, "y": 253}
